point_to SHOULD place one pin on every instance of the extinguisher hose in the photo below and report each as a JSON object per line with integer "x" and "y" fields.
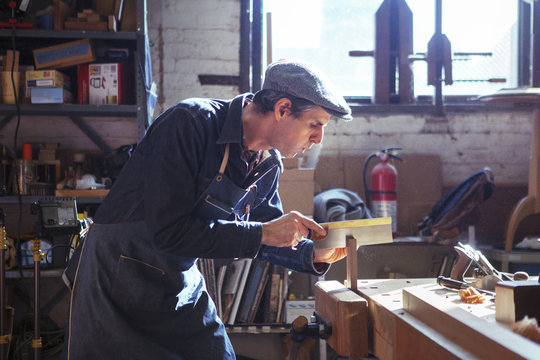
{"x": 367, "y": 192}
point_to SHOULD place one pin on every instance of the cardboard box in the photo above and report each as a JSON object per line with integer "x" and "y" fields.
{"x": 66, "y": 54}
{"x": 296, "y": 308}
{"x": 297, "y": 189}
{"x": 46, "y": 78}
{"x": 102, "y": 84}
{"x": 50, "y": 96}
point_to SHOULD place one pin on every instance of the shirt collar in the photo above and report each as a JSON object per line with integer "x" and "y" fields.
{"x": 232, "y": 131}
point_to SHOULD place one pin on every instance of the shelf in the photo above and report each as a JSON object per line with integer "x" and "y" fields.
{"x": 71, "y": 109}
{"x": 258, "y": 329}
{"x": 69, "y": 34}
{"x": 12, "y": 199}
{"x": 29, "y": 273}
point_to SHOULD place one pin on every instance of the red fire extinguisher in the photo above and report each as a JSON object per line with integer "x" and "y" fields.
{"x": 382, "y": 198}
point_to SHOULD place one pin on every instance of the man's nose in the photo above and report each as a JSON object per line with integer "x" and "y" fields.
{"x": 318, "y": 136}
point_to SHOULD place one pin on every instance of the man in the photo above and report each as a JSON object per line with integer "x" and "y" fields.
{"x": 201, "y": 184}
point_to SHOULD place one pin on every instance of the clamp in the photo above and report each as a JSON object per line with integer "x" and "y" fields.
{"x": 318, "y": 328}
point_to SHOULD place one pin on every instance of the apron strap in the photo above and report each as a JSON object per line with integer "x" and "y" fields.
{"x": 225, "y": 160}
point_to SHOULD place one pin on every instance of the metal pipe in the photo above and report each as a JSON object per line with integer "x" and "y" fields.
{"x": 36, "y": 342}
{"x": 3, "y": 246}
{"x": 3, "y": 330}
{"x": 439, "y": 58}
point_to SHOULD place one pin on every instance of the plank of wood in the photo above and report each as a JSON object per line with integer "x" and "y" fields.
{"x": 67, "y": 192}
{"x": 86, "y": 25}
{"x": 442, "y": 311}
{"x": 348, "y": 314}
{"x": 352, "y": 264}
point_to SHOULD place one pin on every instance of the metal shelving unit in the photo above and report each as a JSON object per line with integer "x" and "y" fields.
{"x": 28, "y": 39}
{"x": 133, "y": 40}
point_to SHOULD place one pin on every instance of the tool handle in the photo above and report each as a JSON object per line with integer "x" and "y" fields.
{"x": 455, "y": 284}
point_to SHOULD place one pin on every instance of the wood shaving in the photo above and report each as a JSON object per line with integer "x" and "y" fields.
{"x": 471, "y": 296}
{"x": 528, "y": 328}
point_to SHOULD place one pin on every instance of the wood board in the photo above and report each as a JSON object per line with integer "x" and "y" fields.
{"x": 469, "y": 326}
{"x": 67, "y": 192}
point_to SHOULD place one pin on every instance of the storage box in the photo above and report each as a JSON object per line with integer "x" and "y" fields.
{"x": 297, "y": 189}
{"x": 296, "y": 308}
{"x": 102, "y": 83}
{"x": 46, "y": 78}
{"x": 50, "y": 96}
{"x": 66, "y": 54}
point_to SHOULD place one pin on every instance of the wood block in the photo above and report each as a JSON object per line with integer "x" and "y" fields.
{"x": 348, "y": 314}
{"x": 129, "y": 16}
{"x": 61, "y": 12}
{"x": 86, "y": 25}
{"x": 105, "y": 7}
{"x": 9, "y": 61}
{"x": 112, "y": 23}
{"x": 516, "y": 299}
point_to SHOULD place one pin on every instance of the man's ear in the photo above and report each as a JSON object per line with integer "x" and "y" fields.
{"x": 282, "y": 108}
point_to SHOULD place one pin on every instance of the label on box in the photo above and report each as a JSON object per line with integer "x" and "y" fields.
{"x": 46, "y": 78}
{"x": 105, "y": 84}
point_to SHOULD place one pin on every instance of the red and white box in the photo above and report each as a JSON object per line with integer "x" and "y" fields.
{"x": 101, "y": 84}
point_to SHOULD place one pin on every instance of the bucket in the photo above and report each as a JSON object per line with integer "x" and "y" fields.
{"x": 8, "y": 95}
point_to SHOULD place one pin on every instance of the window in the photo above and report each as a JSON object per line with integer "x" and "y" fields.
{"x": 324, "y": 31}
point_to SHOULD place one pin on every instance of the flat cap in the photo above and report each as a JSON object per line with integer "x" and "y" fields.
{"x": 303, "y": 80}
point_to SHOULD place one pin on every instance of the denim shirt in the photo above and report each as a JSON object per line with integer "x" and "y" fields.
{"x": 164, "y": 182}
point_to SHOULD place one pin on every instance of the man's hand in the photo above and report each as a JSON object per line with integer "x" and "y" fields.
{"x": 327, "y": 255}
{"x": 289, "y": 229}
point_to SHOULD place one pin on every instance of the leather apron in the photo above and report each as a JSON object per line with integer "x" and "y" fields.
{"x": 130, "y": 301}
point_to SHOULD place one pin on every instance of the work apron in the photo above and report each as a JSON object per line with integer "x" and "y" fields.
{"x": 147, "y": 305}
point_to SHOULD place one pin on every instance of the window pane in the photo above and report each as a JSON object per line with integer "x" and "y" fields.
{"x": 324, "y": 31}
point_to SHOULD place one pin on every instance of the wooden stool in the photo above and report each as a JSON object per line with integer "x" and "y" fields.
{"x": 530, "y": 204}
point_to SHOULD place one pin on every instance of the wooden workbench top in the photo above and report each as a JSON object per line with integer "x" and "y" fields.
{"x": 416, "y": 318}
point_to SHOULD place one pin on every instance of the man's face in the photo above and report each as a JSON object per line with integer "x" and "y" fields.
{"x": 297, "y": 133}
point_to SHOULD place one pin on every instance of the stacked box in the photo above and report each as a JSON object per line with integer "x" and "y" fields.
{"x": 101, "y": 84}
{"x": 63, "y": 55}
{"x": 47, "y": 78}
{"x": 48, "y": 87}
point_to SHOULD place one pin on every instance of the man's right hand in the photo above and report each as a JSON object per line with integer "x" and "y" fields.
{"x": 289, "y": 229}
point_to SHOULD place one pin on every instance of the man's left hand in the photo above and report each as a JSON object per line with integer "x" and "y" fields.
{"x": 327, "y": 255}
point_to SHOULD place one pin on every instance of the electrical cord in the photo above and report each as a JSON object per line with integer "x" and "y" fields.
{"x": 15, "y": 136}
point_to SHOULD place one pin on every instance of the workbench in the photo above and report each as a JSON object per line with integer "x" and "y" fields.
{"x": 418, "y": 319}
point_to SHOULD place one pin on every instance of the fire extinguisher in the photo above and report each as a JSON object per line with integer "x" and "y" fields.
{"x": 381, "y": 199}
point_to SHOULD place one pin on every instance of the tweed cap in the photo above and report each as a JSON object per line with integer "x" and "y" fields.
{"x": 303, "y": 80}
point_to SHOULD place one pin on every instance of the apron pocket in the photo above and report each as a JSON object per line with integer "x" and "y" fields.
{"x": 139, "y": 285}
